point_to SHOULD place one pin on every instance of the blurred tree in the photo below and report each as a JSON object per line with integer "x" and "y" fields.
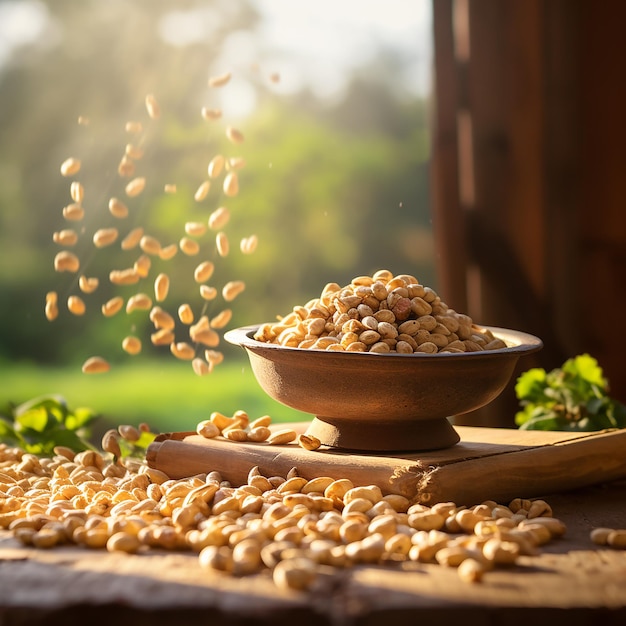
{"x": 332, "y": 191}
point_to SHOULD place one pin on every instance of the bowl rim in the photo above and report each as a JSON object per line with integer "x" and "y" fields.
{"x": 526, "y": 344}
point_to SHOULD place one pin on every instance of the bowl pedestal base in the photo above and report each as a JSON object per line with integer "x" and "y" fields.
{"x": 374, "y": 436}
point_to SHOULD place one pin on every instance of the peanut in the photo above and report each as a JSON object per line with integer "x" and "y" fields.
{"x": 131, "y": 345}
{"x": 617, "y": 539}
{"x": 168, "y": 252}
{"x": 210, "y": 114}
{"x": 123, "y": 542}
{"x": 135, "y": 186}
{"x": 207, "y": 429}
{"x": 66, "y": 261}
{"x": 105, "y": 237}
{"x": 202, "y": 191}
{"x": 132, "y": 239}
{"x": 73, "y": 212}
{"x": 281, "y": 437}
{"x": 112, "y": 306}
{"x": 296, "y": 573}
{"x": 95, "y": 365}
{"x": 88, "y": 285}
{"x": 232, "y": 289}
{"x": 185, "y": 314}
{"x": 219, "y": 218}
{"x": 188, "y": 246}
{"x": 65, "y": 237}
{"x": 216, "y": 165}
{"x": 600, "y": 536}
{"x": 309, "y": 442}
{"x": 152, "y": 106}
{"x": 220, "y": 80}
{"x": 76, "y": 305}
{"x": 150, "y": 245}
{"x": 231, "y": 184}
{"x": 222, "y": 244}
{"x": 128, "y": 276}
{"x": 203, "y": 272}
{"x": 234, "y": 135}
{"x": 259, "y": 434}
{"x": 195, "y": 229}
{"x": 126, "y": 167}
{"x": 249, "y": 244}
{"x": 471, "y": 570}
{"x": 139, "y": 301}
{"x": 70, "y": 166}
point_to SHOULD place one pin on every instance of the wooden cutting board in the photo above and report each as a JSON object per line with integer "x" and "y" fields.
{"x": 488, "y": 463}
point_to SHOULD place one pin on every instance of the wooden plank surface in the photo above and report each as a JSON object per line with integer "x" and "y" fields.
{"x": 534, "y": 462}
{"x": 571, "y": 578}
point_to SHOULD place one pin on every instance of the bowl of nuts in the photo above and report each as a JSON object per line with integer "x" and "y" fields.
{"x": 382, "y": 363}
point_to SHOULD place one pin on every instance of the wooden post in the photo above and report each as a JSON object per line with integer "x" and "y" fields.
{"x": 506, "y": 100}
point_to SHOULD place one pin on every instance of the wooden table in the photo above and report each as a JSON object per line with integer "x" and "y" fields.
{"x": 570, "y": 580}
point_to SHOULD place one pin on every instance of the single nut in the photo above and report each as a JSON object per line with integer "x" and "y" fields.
{"x": 600, "y": 536}
{"x": 296, "y": 573}
{"x": 309, "y": 442}
{"x": 208, "y": 429}
{"x": 617, "y": 539}
{"x": 282, "y": 437}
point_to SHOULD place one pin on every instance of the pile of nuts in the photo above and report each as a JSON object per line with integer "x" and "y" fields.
{"x": 288, "y": 526}
{"x": 238, "y": 427}
{"x": 381, "y": 313}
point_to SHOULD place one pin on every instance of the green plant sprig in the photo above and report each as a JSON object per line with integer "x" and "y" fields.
{"x": 39, "y": 425}
{"x": 574, "y": 397}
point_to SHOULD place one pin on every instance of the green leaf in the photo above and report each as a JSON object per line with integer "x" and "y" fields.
{"x": 35, "y": 420}
{"x": 596, "y": 405}
{"x": 618, "y": 411}
{"x": 586, "y": 424}
{"x": 548, "y": 421}
{"x": 587, "y": 368}
{"x": 523, "y": 416}
{"x": 53, "y": 403}
{"x": 137, "y": 448}
{"x": 145, "y": 440}
{"x": 573, "y": 397}
{"x": 79, "y": 418}
{"x": 531, "y": 384}
{"x": 44, "y": 422}
{"x": 8, "y": 434}
{"x": 532, "y": 412}
{"x": 70, "y": 439}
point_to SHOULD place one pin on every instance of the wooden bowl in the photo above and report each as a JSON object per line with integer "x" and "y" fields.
{"x": 383, "y": 402}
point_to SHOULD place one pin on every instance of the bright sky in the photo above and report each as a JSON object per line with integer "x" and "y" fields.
{"x": 317, "y": 44}
{"x": 314, "y": 44}
{"x": 21, "y": 23}
{"x": 324, "y": 39}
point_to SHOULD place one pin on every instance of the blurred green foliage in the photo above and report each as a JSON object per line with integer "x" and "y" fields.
{"x": 160, "y": 392}
{"x": 572, "y": 397}
{"x": 43, "y": 422}
{"x": 332, "y": 189}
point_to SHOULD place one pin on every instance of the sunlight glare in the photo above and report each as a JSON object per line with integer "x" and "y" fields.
{"x": 316, "y": 45}
{"x": 21, "y": 23}
{"x": 182, "y": 28}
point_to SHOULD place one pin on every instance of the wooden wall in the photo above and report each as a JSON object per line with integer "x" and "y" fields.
{"x": 529, "y": 176}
